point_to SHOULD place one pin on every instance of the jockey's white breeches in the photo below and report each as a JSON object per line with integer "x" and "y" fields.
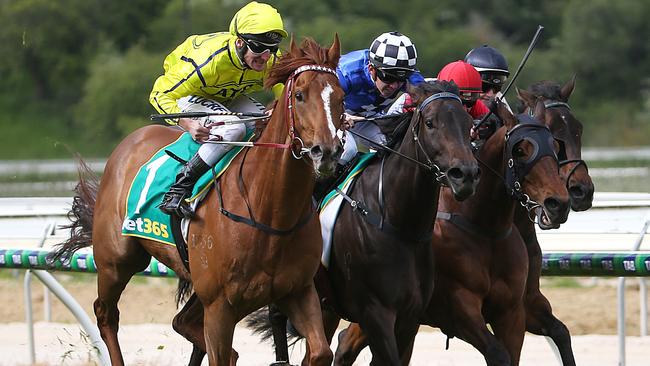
{"x": 210, "y": 152}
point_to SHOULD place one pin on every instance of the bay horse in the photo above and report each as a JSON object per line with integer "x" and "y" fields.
{"x": 573, "y": 170}
{"x": 235, "y": 268}
{"x": 481, "y": 262}
{"x": 381, "y": 265}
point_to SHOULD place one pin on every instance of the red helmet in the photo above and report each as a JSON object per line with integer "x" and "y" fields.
{"x": 464, "y": 75}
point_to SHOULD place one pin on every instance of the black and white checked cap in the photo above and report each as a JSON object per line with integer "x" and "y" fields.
{"x": 393, "y": 50}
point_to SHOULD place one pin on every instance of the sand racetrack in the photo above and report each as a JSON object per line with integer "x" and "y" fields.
{"x": 588, "y": 309}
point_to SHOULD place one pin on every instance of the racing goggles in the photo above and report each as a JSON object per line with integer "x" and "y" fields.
{"x": 392, "y": 77}
{"x": 259, "y": 48}
{"x": 493, "y": 81}
{"x": 469, "y": 98}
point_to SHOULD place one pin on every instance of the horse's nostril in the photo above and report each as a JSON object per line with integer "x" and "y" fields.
{"x": 577, "y": 191}
{"x": 551, "y": 204}
{"x": 316, "y": 152}
{"x": 455, "y": 173}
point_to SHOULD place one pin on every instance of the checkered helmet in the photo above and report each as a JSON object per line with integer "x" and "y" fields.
{"x": 393, "y": 50}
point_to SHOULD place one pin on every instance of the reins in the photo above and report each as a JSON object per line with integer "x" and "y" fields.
{"x": 295, "y": 140}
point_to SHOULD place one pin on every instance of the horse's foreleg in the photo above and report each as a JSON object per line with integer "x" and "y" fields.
{"x": 510, "y": 327}
{"x": 351, "y": 342}
{"x": 541, "y": 321}
{"x": 406, "y": 341}
{"x": 305, "y": 314}
{"x": 219, "y": 320}
{"x": 469, "y": 325}
{"x": 378, "y": 324}
{"x": 539, "y": 314}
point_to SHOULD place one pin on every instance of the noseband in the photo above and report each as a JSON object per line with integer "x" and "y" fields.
{"x": 297, "y": 146}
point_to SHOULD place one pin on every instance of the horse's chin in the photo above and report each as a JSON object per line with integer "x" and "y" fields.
{"x": 324, "y": 169}
{"x": 463, "y": 192}
{"x": 544, "y": 221}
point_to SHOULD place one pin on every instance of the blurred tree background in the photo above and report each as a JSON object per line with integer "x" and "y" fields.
{"x": 77, "y": 74}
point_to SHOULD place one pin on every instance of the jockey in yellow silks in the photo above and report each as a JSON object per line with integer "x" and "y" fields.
{"x": 216, "y": 72}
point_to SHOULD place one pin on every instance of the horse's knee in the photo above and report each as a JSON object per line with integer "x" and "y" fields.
{"x": 321, "y": 357}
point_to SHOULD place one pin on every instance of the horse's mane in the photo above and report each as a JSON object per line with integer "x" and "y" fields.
{"x": 309, "y": 53}
{"x": 546, "y": 89}
{"x": 438, "y": 86}
{"x": 395, "y": 128}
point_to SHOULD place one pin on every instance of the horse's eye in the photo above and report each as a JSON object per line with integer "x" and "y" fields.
{"x": 429, "y": 123}
{"x": 519, "y": 152}
{"x": 299, "y": 96}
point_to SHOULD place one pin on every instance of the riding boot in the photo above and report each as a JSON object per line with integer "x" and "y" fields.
{"x": 173, "y": 202}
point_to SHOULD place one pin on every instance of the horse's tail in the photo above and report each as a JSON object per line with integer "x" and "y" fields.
{"x": 183, "y": 291}
{"x": 80, "y": 215}
{"x": 261, "y": 323}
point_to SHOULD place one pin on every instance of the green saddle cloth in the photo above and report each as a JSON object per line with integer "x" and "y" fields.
{"x": 361, "y": 164}
{"x": 143, "y": 219}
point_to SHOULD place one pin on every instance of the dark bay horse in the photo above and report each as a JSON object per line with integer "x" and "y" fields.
{"x": 235, "y": 268}
{"x": 381, "y": 272}
{"x": 567, "y": 129}
{"x": 481, "y": 262}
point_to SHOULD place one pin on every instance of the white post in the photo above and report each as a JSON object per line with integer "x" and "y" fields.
{"x": 643, "y": 291}
{"x": 621, "y": 321}
{"x": 28, "y": 316}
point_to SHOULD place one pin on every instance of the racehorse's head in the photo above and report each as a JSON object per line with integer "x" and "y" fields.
{"x": 312, "y": 102}
{"x": 568, "y": 131}
{"x": 531, "y": 165}
{"x": 441, "y": 127}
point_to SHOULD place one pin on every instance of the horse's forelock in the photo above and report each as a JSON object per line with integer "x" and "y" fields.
{"x": 309, "y": 53}
{"x": 546, "y": 89}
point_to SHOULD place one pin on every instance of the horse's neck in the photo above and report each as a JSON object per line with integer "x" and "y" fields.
{"x": 410, "y": 192}
{"x": 491, "y": 207}
{"x": 281, "y": 182}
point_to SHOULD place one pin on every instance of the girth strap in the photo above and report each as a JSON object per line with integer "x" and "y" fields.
{"x": 465, "y": 225}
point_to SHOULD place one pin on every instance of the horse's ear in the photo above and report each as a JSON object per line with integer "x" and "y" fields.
{"x": 293, "y": 48}
{"x": 567, "y": 89}
{"x": 508, "y": 119}
{"x": 334, "y": 53}
{"x": 415, "y": 93}
{"x": 526, "y": 97}
{"x": 540, "y": 109}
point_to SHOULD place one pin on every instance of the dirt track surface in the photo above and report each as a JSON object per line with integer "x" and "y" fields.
{"x": 147, "y": 307}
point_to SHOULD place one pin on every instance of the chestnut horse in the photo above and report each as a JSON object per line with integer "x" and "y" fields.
{"x": 235, "y": 268}
{"x": 481, "y": 262}
{"x": 568, "y": 130}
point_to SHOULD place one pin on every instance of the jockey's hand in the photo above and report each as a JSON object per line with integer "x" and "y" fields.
{"x": 349, "y": 120}
{"x": 195, "y": 127}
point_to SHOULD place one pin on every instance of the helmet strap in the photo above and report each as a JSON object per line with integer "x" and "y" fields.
{"x": 240, "y": 51}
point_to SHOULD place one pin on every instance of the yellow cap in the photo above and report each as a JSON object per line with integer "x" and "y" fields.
{"x": 257, "y": 18}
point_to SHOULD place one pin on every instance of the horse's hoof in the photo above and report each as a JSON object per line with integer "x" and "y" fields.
{"x": 280, "y": 363}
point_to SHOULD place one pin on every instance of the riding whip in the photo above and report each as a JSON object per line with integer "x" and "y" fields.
{"x": 532, "y": 45}
{"x": 205, "y": 114}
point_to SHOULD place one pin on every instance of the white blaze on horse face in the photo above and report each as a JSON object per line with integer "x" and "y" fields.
{"x": 325, "y": 94}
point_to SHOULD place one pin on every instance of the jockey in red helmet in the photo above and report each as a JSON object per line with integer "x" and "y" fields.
{"x": 469, "y": 84}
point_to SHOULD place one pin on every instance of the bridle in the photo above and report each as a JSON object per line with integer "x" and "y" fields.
{"x": 563, "y": 159}
{"x": 430, "y": 165}
{"x": 297, "y": 146}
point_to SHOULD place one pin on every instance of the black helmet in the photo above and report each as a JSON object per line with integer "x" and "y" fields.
{"x": 487, "y": 59}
